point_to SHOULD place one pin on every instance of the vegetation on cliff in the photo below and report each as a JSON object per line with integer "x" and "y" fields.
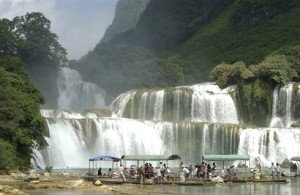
{"x": 25, "y": 41}
{"x": 179, "y": 42}
{"x": 257, "y": 82}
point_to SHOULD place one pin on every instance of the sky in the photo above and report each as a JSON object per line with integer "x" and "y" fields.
{"x": 79, "y": 24}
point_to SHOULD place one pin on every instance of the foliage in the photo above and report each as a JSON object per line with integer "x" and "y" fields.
{"x": 221, "y": 41}
{"x": 167, "y": 43}
{"x": 251, "y": 13}
{"x": 171, "y": 73}
{"x": 256, "y": 83}
{"x": 7, "y": 156}
{"x": 24, "y": 39}
{"x": 29, "y": 37}
{"x": 227, "y": 74}
{"x": 48, "y": 169}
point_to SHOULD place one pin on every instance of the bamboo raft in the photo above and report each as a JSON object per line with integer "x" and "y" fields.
{"x": 175, "y": 181}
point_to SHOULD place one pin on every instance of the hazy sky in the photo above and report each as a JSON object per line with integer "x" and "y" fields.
{"x": 79, "y": 24}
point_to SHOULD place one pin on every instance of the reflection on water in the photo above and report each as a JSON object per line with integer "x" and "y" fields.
{"x": 227, "y": 188}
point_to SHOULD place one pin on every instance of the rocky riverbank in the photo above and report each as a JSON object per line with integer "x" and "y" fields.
{"x": 16, "y": 183}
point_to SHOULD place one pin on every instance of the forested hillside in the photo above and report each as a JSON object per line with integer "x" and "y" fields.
{"x": 179, "y": 42}
{"x": 25, "y": 41}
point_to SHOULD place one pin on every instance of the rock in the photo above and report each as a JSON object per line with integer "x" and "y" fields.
{"x": 77, "y": 183}
{"x": 217, "y": 180}
{"x": 35, "y": 181}
{"x": 98, "y": 183}
{"x": 74, "y": 174}
{"x": 65, "y": 174}
{"x": 46, "y": 174}
{"x": 15, "y": 191}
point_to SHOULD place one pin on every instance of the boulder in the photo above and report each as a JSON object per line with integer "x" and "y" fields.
{"x": 217, "y": 180}
{"x": 98, "y": 183}
{"x": 77, "y": 183}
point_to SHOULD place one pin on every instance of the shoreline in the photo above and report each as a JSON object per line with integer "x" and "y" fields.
{"x": 16, "y": 185}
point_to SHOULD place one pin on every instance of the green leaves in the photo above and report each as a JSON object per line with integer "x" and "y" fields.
{"x": 7, "y": 156}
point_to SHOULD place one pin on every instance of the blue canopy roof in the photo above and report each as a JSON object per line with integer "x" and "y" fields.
{"x": 104, "y": 157}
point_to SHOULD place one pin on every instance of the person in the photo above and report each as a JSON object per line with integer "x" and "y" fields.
{"x": 231, "y": 173}
{"x": 149, "y": 171}
{"x": 295, "y": 168}
{"x": 273, "y": 170}
{"x": 158, "y": 174}
{"x": 186, "y": 172}
{"x": 181, "y": 167}
{"x": 222, "y": 174}
{"x": 109, "y": 173}
{"x": 141, "y": 172}
{"x": 202, "y": 170}
{"x": 167, "y": 172}
{"x": 121, "y": 172}
{"x": 214, "y": 169}
{"x": 99, "y": 172}
{"x": 208, "y": 171}
{"x": 191, "y": 170}
{"x": 278, "y": 171}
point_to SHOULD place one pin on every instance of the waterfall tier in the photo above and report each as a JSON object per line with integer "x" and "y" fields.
{"x": 202, "y": 102}
{"x": 73, "y": 140}
{"x": 81, "y": 138}
{"x": 75, "y": 94}
{"x": 286, "y": 104}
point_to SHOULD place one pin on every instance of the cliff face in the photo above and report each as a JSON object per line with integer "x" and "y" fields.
{"x": 127, "y": 15}
{"x": 178, "y": 42}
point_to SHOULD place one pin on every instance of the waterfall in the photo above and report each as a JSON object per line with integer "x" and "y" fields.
{"x": 211, "y": 104}
{"x": 202, "y": 102}
{"x": 187, "y": 120}
{"x": 75, "y": 94}
{"x": 84, "y": 137}
{"x": 271, "y": 144}
{"x": 282, "y": 104}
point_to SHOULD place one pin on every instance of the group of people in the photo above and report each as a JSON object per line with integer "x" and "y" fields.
{"x": 147, "y": 171}
{"x": 205, "y": 171}
{"x": 202, "y": 170}
{"x": 293, "y": 168}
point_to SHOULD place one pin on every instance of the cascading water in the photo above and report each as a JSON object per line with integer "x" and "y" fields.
{"x": 282, "y": 103}
{"x": 83, "y": 137}
{"x": 75, "y": 94}
{"x": 202, "y": 102}
{"x": 271, "y": 144}
{"x": 171, "y": 121}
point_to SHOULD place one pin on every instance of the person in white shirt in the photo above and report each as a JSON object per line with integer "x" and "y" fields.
{"x": 121, "y": 172}
{"x": 158, "y": 174}
{"x": 273, "y": 170}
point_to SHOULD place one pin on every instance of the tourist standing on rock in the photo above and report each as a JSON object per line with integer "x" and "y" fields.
{"x": 121, "y": 172}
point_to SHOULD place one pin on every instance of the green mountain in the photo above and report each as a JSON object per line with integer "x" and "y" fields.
{"x": 127, "y": 16}
{"x": 179, "y": 42}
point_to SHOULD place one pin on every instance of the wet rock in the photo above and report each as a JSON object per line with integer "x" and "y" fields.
{"x": 98, "y": 183}
{"x": 77, "y": 183}
{"x": 10, "y": 190}
{"x": 217, "y": 180}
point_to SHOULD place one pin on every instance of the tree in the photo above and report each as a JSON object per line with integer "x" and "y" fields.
{"x": 227, "y": 74}
{"x": 21, "y": 124}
